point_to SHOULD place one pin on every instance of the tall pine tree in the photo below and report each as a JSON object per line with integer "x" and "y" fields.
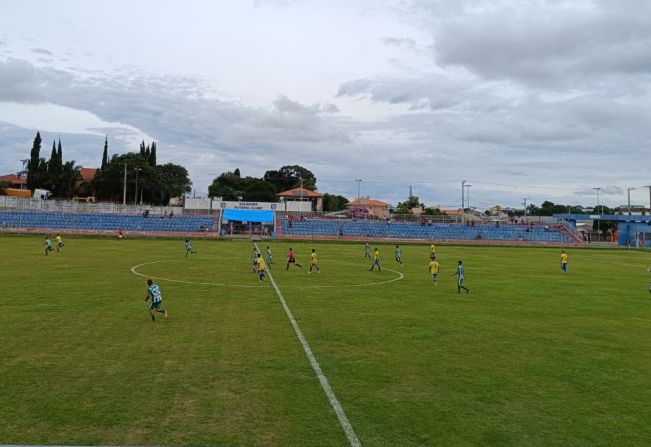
{"x": 34, "y": 165}
{"x": 60, "y": 154}
{"x": 105, "y": 155}
{"x": 152, "y": 155}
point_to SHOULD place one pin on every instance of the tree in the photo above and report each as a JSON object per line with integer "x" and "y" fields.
{"x": 334, "y": 203}
{"x": 4, "y": 184}
{"x": 54, "y": 170}
{"x": 175, "y": 180}
{"x": 407, "y": 206}
{"x": 289, "y": 177}
{"x": 230, "y": 186}
{"x": 105, "y": 155}
{"x": 109, "y": 183}
{"x": 152, "y": 155}
{"x": 431, "y": 211}
{"x": 257, "y": 190}
{"x": 36, "y": 166}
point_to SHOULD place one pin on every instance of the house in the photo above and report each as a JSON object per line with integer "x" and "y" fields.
{"x": 17, "y": 181}
{"x": 302, "y": 195}
{"x": 369, "y": 207}
{"x": 84, "y": 183}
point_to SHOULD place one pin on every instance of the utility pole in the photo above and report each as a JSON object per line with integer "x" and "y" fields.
{"x": 124, "y": 192}
{"x": 135, "y": 193}
{"x": 410, "y": 192}
{"x": 463, "y": 195}
{"x": 468, "y": 196}
{"x": 629, "y": 199}
{"x": 598, "y": 203}
{"x": 359, "y": 184}
{"x": 524, "y": 201}
{"x": 649, "y": 186}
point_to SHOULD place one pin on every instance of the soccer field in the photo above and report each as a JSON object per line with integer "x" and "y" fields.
{"x": 530, "y": 357}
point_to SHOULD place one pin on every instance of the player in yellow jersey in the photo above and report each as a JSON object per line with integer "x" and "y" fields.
{"x": 563, "y": 261}
{"x": 432, "y": 251}
{"x": 58, "y": 242}
{"x": 434, "y": 270}
{"x": 314, "y": 263}
{"x": 376, "y": 260}
{"x": 261, "y": 266}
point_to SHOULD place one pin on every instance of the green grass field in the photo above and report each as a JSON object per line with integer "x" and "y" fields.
{"x": 531, "y": 357}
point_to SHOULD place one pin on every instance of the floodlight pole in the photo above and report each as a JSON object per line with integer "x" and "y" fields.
{"x": 599, "y": 218}
{"x": 524, "y": 201}
{"x": 135, "y": 194}
{"x": 629, "y": 199}
{"x": 124, "y": 191}
{"x": 463, "y": 195}
{"x": 649, "y": 186}
{"x": 468, "y": 196}
{"x": 359, "y": 185}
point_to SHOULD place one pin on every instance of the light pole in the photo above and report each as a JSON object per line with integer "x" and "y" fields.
{"x": 599, "y": 218}
{"x": 468, "y": 196}
{"x": 524, "y": 201}
{"x": 124, "y": 190}
{"x": 463, "y": 192}
{"x": 629, "y": 199}
{"x": 598, "y": 203}
{"x": 135, "y": 193}
{"x": 359, "y": 185}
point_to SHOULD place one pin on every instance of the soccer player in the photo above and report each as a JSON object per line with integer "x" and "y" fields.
{"x": 376, "y": 260}
{"x": 434, "y": 270}
{"x": 254, "y": 260}
{"x": 563, "y": 261}
{"x": 48, "y": 245}
{"x": 270, "y": 259}
{"x": 460, "y": 277}
{"x": 649, "y": 270}
{"x": 398, "y": 255}
{"x": 58, "y": 242}
{"x": 188, "y": 248}
{"x": 153, "y": 292}
{"x": 313, "y": 262}
{"x": 261, "y": 266}
{"x": 432, "y": 251}
{"x": 367, "y": 251}
{"x": 291, "y": 259}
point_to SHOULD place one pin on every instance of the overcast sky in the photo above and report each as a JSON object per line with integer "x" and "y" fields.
{"x": 543, "y": 99}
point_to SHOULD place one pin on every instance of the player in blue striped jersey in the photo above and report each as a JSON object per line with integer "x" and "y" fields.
{"x": 188, "y": 248}
{"x": 460, "y": 277}
{"x": 153, "y": 293}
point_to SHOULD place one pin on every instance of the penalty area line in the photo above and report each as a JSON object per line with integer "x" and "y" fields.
{"x": 336, "y": 406}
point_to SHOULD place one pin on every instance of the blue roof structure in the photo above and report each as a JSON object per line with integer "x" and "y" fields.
{"x": 249, "y": 215}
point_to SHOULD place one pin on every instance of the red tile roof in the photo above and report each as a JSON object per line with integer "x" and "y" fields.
{"x": 368, "y": 202}
{"x": 299, "y": 192}
{"x": 87, "y": 173}
{"x": 14, "y": 179}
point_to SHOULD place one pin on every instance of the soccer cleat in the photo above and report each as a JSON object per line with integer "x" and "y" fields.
{"x": 165, "y": 314}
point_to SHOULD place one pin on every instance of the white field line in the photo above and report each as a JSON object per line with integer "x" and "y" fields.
{"x": 339, "y": 411}
{"x": 135, "y": 271}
